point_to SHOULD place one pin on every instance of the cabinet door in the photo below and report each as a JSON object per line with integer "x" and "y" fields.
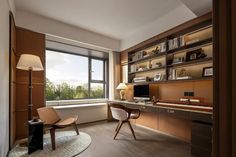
{"x": 124, "y": 73}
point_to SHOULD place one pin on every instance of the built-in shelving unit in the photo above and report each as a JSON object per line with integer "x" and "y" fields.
{"x": 174, "y": 55}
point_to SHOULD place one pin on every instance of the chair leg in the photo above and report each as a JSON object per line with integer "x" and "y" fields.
{"x": 76, "y": 128}
{"x": 118, "y": 125}
{"x": 118, "y": 129}
{"x": 53, "y": 140}
{"x": 132, "y": 130}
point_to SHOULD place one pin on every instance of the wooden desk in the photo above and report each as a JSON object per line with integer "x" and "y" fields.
{"x": 190, "y": 123}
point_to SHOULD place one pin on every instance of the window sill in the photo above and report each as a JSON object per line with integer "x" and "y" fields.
{"x": 80, "y": 105}
{"x": 75, "y": 102}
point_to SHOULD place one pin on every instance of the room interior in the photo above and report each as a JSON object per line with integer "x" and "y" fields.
{"x": 117, "y": 78}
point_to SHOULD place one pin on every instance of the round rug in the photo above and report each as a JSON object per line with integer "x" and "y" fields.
{"x": 68, "y": 144}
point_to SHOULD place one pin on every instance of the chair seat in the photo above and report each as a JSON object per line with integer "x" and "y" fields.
{"x": 134, "y": 115}
{"x": 66, "y": 122}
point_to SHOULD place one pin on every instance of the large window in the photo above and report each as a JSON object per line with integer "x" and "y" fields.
{"x": 70, "y": 76}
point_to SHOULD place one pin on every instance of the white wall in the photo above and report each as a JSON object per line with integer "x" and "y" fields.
{"x": 52, "y": 27}
{"x": 86, "y": 113}
{"x": 5, "y": 6}
{"x": 174, "y": 18}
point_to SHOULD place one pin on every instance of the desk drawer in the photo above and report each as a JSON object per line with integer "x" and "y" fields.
{"x": 142, "y": 107}
{"x": 174, "y": 113}
{"x": 201, "y": 117}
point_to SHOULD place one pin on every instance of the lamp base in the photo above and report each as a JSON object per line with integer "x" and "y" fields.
{"x": 122, "y": 94}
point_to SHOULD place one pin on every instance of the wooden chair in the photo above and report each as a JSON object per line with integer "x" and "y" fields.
{"x": 52, "y": 121}
{"x": 123, "y": 114}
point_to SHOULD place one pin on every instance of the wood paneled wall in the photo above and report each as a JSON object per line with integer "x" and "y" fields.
{"x": 12, "y": 81}
{"x": 27, "y": 42}
{"x": 175, "y": 90}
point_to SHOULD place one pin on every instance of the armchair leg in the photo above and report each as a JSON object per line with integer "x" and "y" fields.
{"x": 117, "y": 131}
{"x": 130, "y": 126}
{"x": 76, "y": 128}
{"x": 52, "y": 133}
{"x": 118, "y": 125}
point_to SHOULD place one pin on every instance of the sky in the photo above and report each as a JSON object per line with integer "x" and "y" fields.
{"x": 73, "y": 69}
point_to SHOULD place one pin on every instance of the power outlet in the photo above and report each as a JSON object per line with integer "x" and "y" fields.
{"x": 185, "y": 93}
{"x": 188, "y": 93}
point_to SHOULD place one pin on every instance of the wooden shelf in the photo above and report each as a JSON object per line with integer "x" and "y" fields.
{"x": 169, "y": 81}
{"x": 151, "y": 57}
{"x": 205, "y": 39}
{"x": 190, "y": 46}
{"x": 194, "y": 62}
{"x": 151, "y": 69}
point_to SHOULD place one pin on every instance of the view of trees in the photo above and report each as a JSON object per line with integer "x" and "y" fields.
{"x": 64, "y": 91}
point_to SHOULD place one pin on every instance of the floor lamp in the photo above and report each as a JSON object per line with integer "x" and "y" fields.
{"x": 30, "y": 63}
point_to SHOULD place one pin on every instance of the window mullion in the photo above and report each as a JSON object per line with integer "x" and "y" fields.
{"x": 90, "y": 76}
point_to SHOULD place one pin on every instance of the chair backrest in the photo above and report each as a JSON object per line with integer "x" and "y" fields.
{"x": 119, "y": 113}
{"x": 48, "y": 115}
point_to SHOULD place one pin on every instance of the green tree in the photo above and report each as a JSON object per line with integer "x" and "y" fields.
{"x": 50, "y": 90}
{"x": 96, "y": 92}
{"x": 64, "y": 91}
{"x": 82, "y": 91}
{"x": 67, "y": 91}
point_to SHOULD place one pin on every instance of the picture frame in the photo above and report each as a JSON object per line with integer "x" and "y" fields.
{"x": 158, "y": 77}
{"x": 207, "y": 71}
{"x": 193, "y": 55}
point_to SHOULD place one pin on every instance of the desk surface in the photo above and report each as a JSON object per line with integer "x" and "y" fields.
{"x": 183, "y": 107}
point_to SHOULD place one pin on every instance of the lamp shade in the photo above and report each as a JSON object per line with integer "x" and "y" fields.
{"x": 28, "y": 61}
{"x": 121, "y": 86}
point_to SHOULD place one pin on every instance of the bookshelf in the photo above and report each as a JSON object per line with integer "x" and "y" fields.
{"x": 183, "y": 51}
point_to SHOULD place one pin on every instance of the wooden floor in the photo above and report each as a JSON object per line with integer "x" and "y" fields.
{"x": 148, "y": 144}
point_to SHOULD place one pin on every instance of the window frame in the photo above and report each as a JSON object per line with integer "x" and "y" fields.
{"x": 105, "y": 74}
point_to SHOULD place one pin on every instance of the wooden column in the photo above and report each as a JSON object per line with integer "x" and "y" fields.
{"x": 224, "y": 12}
{"x": 28, "y": 42}
{"x": 12, "y": 81}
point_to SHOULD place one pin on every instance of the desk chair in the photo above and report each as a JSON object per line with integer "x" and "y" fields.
{"x": 123, "y": 114}
{"x": 52, "y": 121}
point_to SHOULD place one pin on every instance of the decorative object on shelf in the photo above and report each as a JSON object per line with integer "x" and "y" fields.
{"x": 175, "y": 43}
{"x": 30, "y": 63}
{"x": 137, "y": 56}
{"x": 145, "y": 54}
{"x": 182, "y": 74}
{"x": 181, "y": 41}
{"x": 154, "y": 100}
{"x": 142, "y": 67}
{"x": 171, "y": 74}
{"x": 122, "y": 87}
{"x": 163, "y": 47}
{"x": 157, "y": 77}
{"x": 193, "y": 55}
{"x": 202, "y": 55}
{"x": 155, "y": 64}
{"x": 140, "y": 79}
{"x": 207, "y": 72}
{"x": 133, "y": 68}
{"x": 178, "y": 60}
{"x": 157, "y": 50}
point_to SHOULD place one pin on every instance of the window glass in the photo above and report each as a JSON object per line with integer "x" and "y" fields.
{"x": 96, "y": 90}
{"x": 67, "y": 77}
{"x": 97, "y": 69}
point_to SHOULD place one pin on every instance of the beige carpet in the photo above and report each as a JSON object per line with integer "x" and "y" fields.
{"x": 68, "y": 144}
